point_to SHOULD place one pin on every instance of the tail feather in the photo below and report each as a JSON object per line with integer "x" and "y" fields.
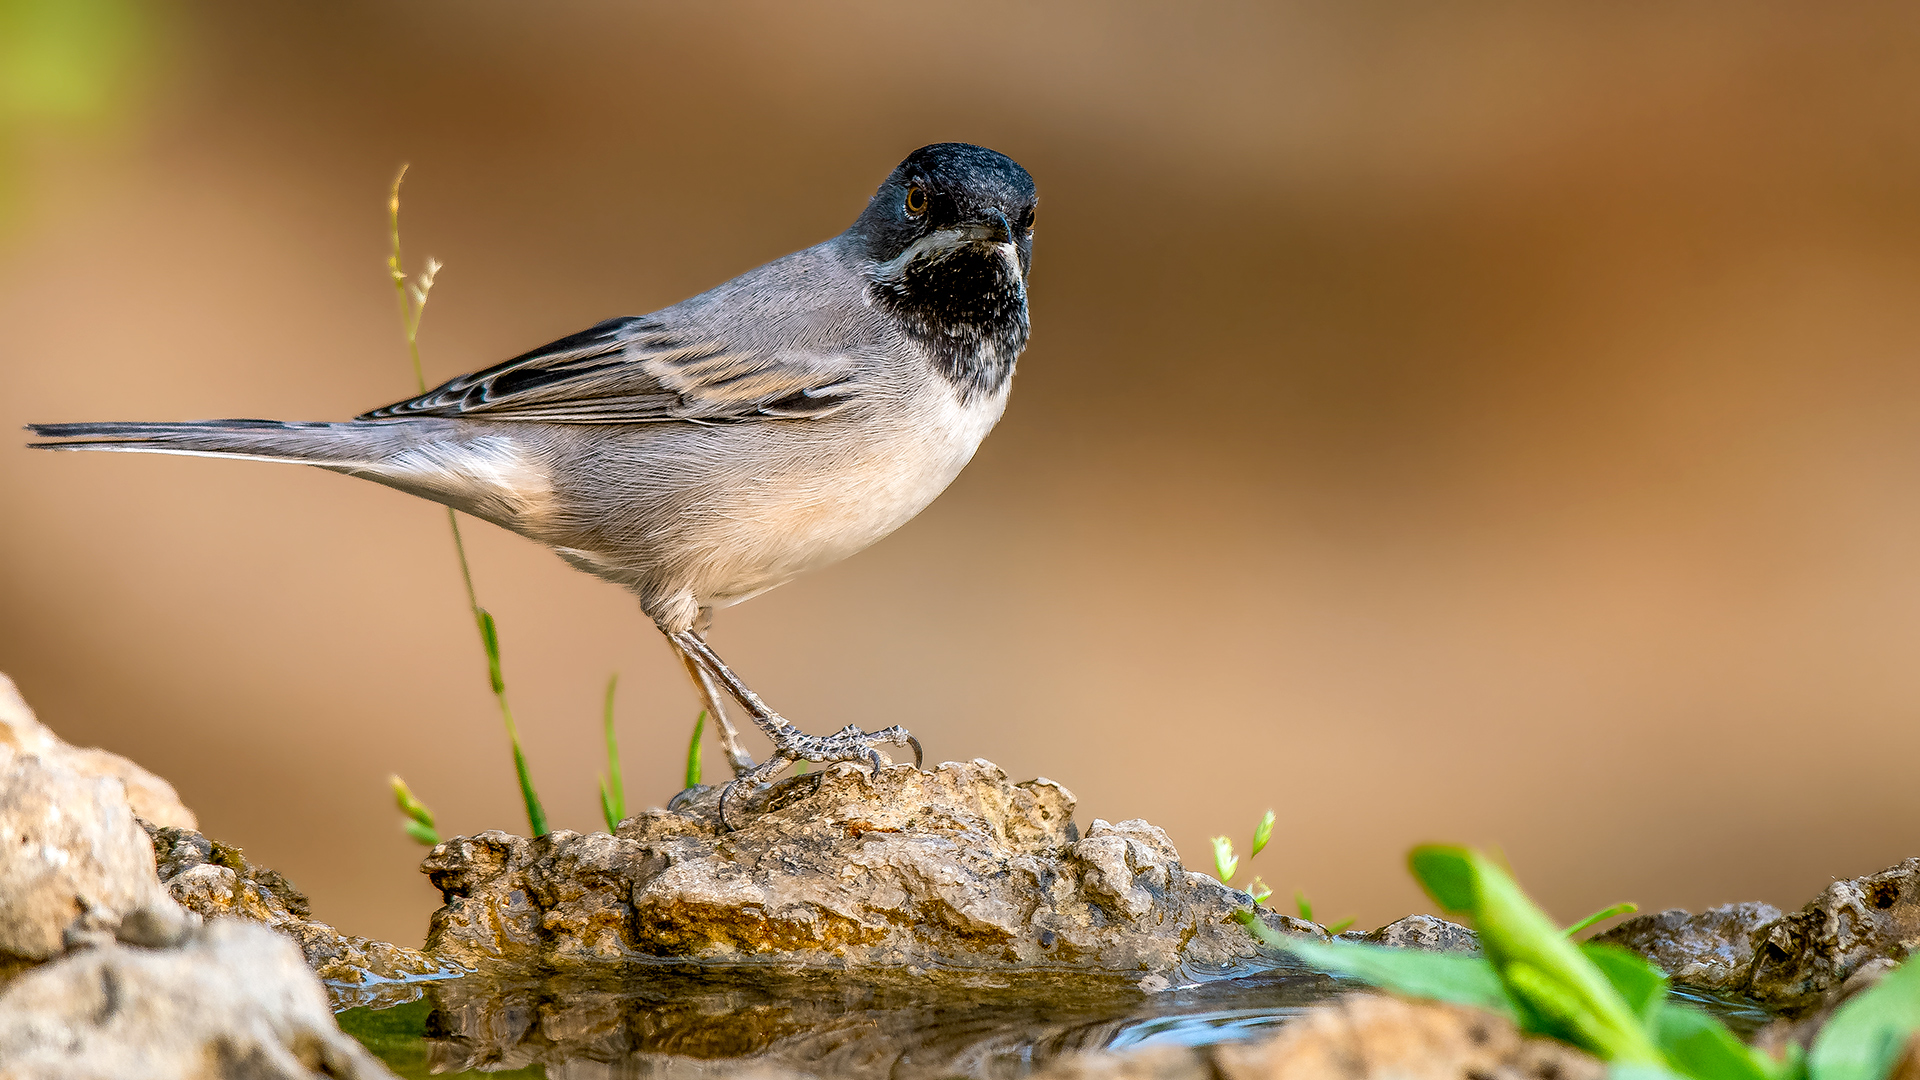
{"x": 489, "y": 475}
{"x": 316, "y": 443}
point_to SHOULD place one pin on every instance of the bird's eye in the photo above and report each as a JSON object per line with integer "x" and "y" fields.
{"x": 1026, "y": 221}
{"x": 916, "y": 200}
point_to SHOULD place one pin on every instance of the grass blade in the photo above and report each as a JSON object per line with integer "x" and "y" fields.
{"x": 613, "y": 792}
{"x": 693, "y": 750}
{"x": 1261, "y": 834}
{"x": 419, "y": 823}
{"x": 1225, "y": 862}
{"x": 1602, "y": 915}
{"x": 411, "y": 310}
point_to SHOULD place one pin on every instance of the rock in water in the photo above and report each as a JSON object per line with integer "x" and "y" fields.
{"x": 953, "y": 867}
{"x": 214, "y": 879}
{"x": 1817, "y": 948}
{"x": 1711, "y": 950}
{"x": 232, "y": 1000}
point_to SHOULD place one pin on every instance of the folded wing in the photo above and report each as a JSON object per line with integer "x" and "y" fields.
{"x": 640, "y": 370}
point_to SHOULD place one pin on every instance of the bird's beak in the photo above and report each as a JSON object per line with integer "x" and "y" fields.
{"x": 992, "y": 229}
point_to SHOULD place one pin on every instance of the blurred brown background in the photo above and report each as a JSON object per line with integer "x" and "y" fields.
{"x": 1492, "y": 422}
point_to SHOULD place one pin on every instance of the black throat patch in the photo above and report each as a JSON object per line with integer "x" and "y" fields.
{"x": 968, "y": 307}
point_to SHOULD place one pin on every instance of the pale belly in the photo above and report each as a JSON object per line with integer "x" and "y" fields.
{"x": 727, "y": 514}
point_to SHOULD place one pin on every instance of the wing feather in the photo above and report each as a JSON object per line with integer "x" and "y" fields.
{"x": 640, "y": 370}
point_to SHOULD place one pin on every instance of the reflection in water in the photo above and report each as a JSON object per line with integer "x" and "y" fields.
{"x": 663, "y": 1024}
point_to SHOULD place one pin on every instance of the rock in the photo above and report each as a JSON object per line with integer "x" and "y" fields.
{"x": 73, "y": 862}
{"x": 232, "y": 1000}
{"x": 954, "y": 867}
{"x": 1357, "y": 1037}
{"x": 215, "y": 880}
{"x": 1815, "y": 949}
{"x": 1421, "y": 932}
{"x": 21, "y": 735}
{"x": 1712, "y": 950}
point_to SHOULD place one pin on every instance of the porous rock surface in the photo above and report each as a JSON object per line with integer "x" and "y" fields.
{"x": 846, "y": 868}
{"x": 228, "y": 999}
{"x": 1803, "y": 955}
{"x": 1712, "y": 950}
{"x": 214, "y": 879}
{"x": 72, "y": 859}
{"x": 1426, "y": 932}
{"x": 1787, "y": 961}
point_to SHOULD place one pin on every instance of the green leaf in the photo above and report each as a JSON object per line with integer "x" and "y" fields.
{"x": 693, "y": 750}
{"x": 1257, "y": 889}
{"x": 1224, "y": 862}
{"x": 1561, "y": 992}
{"x": 1341, "y": 926}
{"x": 1261, "y": 834}
{"x": 613, "y": 793}
{"x": 421, "y": 833}
{"x": 1643, "y": 986}
{"x": 490, "y": 640}
{"x": 410, "y": 806}
{"x": 607, "y": 811}
{"x": 1302, "y": 904}
{"x": 1602, "y": 915}
{"x": 1447, "y": 875}
{"x": 536, "y": 814}
{"x": 1696, "y": 1045}
{"x": 1867, "y": 1034}
{"x": 1452, "y": 977}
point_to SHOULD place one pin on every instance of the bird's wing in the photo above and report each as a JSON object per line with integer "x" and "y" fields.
{"x": 636, "y": 370}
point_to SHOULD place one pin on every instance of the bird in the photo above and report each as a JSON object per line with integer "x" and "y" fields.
{"x": 715, "y": 449}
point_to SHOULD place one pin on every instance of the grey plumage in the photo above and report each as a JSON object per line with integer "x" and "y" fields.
{"x": 717, "y": 448}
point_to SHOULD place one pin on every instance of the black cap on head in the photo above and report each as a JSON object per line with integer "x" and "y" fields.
{"x": 947, "y": 185}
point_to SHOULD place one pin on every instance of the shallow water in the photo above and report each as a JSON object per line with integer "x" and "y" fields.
{"x": 654, "y": 1023}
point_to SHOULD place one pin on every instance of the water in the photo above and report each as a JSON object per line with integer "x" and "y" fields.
{"x": 672, "y": 1023}
{"x": 669, "y": 1024}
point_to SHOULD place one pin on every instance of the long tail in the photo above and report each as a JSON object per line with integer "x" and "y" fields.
{"x": 339, "y": 446}
{"x": 489, "y": 475}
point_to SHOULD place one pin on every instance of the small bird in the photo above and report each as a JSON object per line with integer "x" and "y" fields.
{"x": 715, "y": 449}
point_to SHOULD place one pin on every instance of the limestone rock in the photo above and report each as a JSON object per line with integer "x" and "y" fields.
{"x": 1817, "y": 948}
{"x": 73, "y": 861}
{"x": 1712, "y": 950}
{"x": 954, "y": 867}
{"x": 1357, "y": 1037}
{"x": 22, "y": 735}
{"x": 234, "y": 999}
{"x": 214, "y": 880}
{"x": 1420, "y": 932}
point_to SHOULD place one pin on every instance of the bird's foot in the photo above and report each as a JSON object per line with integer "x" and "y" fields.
{"x": 790, "y": 745}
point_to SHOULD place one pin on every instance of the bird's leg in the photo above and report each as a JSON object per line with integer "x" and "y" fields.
{"x": 703, "y": 684}
{"x": 790, "y": 744}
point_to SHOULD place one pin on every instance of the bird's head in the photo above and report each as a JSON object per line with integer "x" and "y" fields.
{"x": 948, "y": 240}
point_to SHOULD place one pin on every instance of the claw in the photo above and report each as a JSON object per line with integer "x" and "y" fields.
{"x": 726, "y": 797}
{"x": 917, "y": 756}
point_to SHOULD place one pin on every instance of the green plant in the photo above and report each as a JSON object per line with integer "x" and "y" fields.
{"x": 1226, "y": 864}
{"x": 418, "y": 821}
{"x": 613, "y": 793}
{"x": 1605, "y": 1000}
{"x": 413, "y": 305}
{"x": 693, "y": 750}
